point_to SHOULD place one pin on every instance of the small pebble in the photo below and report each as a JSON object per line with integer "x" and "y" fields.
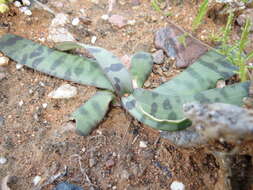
{"x": 64, "y": 91}
{"x": 23, "y": 9}
{"x": 176, "y": 185}
{"x": 28, "y": 12}
{"x": 158, "y": 57}
{"x": 143, "y": 144}
{"x": 3, "y": 160}
{"x": 75, "y": 21}
{"x": 105, "y": 17}
{"x": 93, "y": 39}
{"x": 17, "y": 4}
{"x": 19, "y": 66}
{"x": 131, "y": 22}
{"x": 124, "y": 174}
{"x": 36, "y": 180}
{"x": 4, "y": 61}
{"x": 117, "y": 20}
{"x": 92, "y": 162}
{"x": 26, "y": 2}
{"x": 44, "y": 105}
{"x": 109, "y": 163}
{"x": 21, "y": 103}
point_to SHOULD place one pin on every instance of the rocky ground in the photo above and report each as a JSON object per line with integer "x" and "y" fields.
{"x": 38, "y": 144}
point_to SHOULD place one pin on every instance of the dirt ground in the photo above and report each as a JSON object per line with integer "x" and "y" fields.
{"x": 40, "y": 141}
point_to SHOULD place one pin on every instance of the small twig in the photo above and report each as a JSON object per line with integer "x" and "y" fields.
{"x": 135, "y": 139}
{"x": 52, "y": 179}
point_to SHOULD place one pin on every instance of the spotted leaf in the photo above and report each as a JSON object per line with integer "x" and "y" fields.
{"x": 201, "y": 75}
{"x": 165, "y": 112}
{"x": 141, "y": 67}
{"x": 109, "y": 63}
{"x": 55, "y": 63}
{"x": 91, "y": 113}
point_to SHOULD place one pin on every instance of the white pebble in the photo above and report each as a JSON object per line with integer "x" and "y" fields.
{"x": 36, "y": 180}
{"x": 21, "y": 103}
{"x": 26, "y": 2}
{"x": 42, "y": 84}
{"x": 105, "y": 17}
{"x": 19, "y": 66}
{"x": 143, "y": 144}
{"x": 75, "y": 21}
{"x": 4, "y": 61}
{"x": 64, "y": 91}
{"x": 176, "y": 185}
{"x": 17, "y": 4}
{"x": 93, "y": 39}
{"x": 23, "y": 9}
{"x": 3, "y": 160}
{"x": 131, "y": 22}
{"x": 44, "y": 105}
{"x": 28, "y": 12}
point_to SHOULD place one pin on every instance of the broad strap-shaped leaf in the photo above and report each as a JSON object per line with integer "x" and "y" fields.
{"x": 141, "y": 67}
{"x": 92, "y": 112}
{"x": 135, "y": 109}
{"x": 201, "y": 75}
{"x": 165, "y": 112}
{"x": 55, "y": 63}
{"x": 113, "y": 68}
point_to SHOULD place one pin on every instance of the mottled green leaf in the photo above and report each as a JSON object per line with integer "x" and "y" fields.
{"x": 201, "y": 75}
{"x": 55, "y": 63}
{"x": 165, "y": 112}
{"x": 141, "y": 67}
{"x": 92, "y": 112}
{"x": 110, "y": 64}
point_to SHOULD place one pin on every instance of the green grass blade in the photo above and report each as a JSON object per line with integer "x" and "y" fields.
{"x": 55, "y": 63}
{"x": 201, "y": 14}
{"x": 91, "y": 113}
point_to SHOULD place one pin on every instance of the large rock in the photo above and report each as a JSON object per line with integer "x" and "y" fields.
{"x": 167, "y": 39}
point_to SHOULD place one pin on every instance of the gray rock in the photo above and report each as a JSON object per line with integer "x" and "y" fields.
{"x": 220, "y": 121}
{"x": 124, "y": 174}
{"x": 2, "y": 76}
{"x": 59, "y": 34}
{"x": 67, "y": 186}
{"x": 118, "y": 20}
{"x": 1, "y": 121}
{"x": 57, "y": 31}
{"x": 247, "y": 14}
{"x": 158, "y": 57}
{"x": 92, "y": 162}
